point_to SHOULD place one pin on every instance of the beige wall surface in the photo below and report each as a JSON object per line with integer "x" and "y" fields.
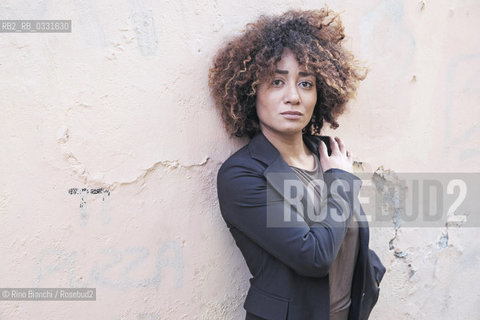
{"x": 110, "y": 145}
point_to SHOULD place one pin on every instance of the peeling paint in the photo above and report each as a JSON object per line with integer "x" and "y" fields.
{"x": 388, "y": 186}
{"x": 63, "y": 135}
{"x": 81, "y": 171}
{"x": 422, "y": 5}
{"x": 443, "y": 241}
{"x": 412, "y": 272}
{"x": 175, "y": 164}
{"x": 399, "y": 254}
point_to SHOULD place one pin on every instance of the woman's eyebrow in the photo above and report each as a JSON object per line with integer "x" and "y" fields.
{"x": 305, "y": 74}
{"x": 301, "y": 73}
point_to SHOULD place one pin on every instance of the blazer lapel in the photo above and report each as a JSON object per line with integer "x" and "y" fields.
{"x": 278, "y": 171}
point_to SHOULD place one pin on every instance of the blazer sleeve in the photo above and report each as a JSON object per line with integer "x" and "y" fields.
{"x": 308, "y": 249}
{"x": 378, "y": 267}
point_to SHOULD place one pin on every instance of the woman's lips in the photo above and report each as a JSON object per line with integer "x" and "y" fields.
{"x": 291, "y": 115}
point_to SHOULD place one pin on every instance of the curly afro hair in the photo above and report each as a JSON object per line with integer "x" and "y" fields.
{"x": 315, "y": 37}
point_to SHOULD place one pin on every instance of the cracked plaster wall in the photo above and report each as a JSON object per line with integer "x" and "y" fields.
{"x": 110, "y": 148}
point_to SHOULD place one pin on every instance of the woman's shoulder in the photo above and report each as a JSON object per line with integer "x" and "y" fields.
{"x": 241, "y": 160}
{"x": 315, "y": 139}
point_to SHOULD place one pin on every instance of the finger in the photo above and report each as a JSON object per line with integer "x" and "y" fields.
{"x": 334, "y": 146}
{"x": 323, "y": 150}
{"x": 349, "y": 156}
{"x": 341, "y": 146}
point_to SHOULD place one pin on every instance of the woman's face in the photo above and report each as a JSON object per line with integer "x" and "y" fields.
{"x": 285, "y": 105}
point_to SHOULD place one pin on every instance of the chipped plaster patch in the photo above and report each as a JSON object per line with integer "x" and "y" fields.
{"x": 387, "y": 184}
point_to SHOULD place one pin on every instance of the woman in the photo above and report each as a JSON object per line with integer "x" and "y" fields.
{"x": 277, "y": 83}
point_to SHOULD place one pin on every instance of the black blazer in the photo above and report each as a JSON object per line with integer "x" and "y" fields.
{"x": 290, "y": 264}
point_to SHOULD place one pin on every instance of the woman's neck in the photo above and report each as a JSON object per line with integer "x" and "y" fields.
{"x": 291, "y": 147}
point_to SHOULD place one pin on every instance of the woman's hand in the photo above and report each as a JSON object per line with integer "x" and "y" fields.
{"x": 340, "y": 157}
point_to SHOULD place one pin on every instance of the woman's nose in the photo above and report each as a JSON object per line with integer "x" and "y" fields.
{"x": 291, "y": 94}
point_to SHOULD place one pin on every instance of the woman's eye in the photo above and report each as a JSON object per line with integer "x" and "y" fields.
{"x": 277, "y": 82}
{"x": 306, "y": 84}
